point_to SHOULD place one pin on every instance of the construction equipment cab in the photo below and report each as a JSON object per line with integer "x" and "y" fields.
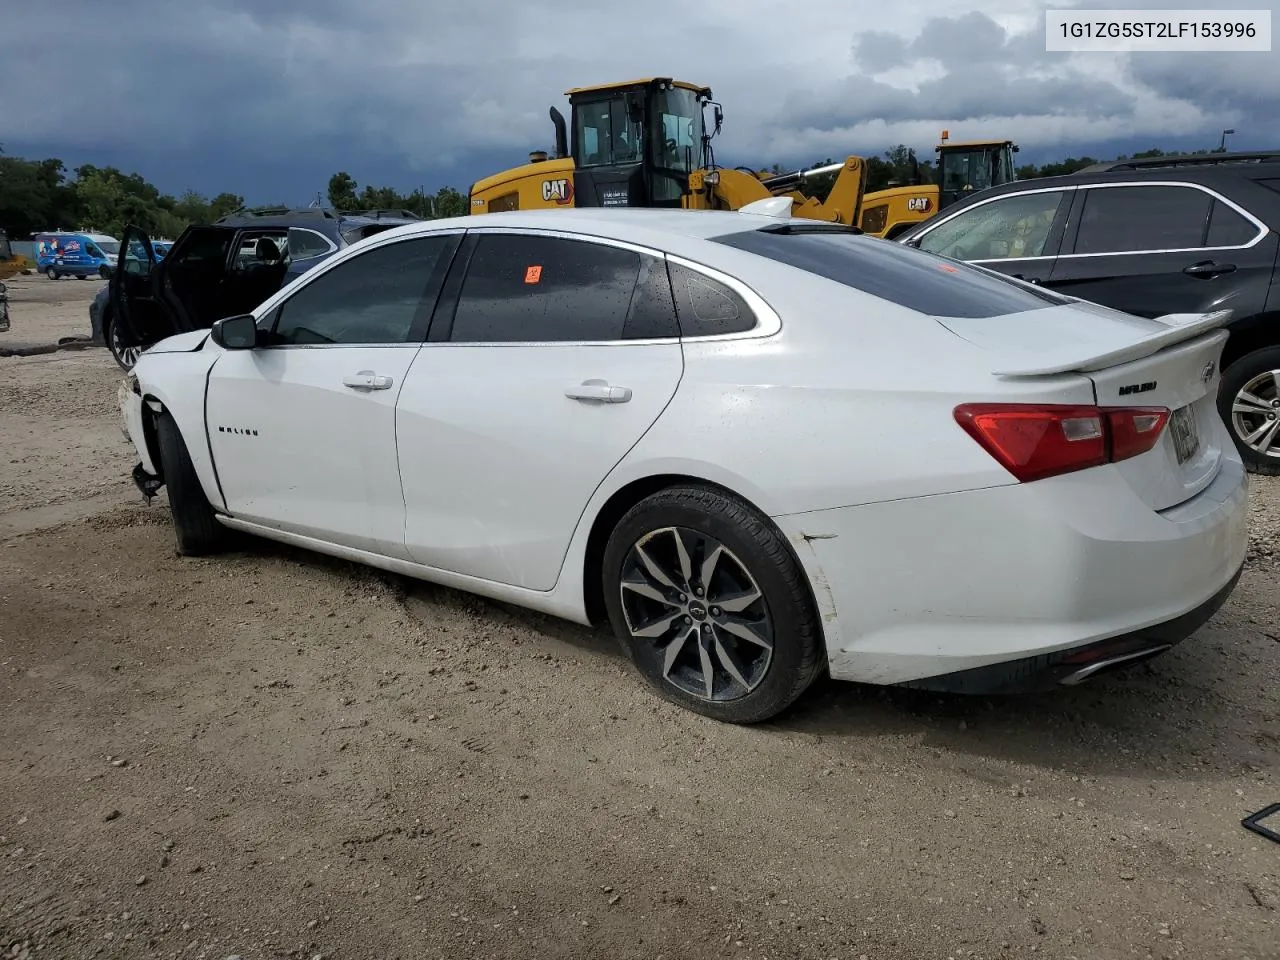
{"x": 961, "y": 170}
{"x": 632, "y": 144}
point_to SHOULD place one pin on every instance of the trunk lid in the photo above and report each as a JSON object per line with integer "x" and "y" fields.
{"x": 1169, "y": 362}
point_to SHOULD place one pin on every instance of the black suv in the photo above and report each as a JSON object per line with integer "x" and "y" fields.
{"x": 1178, "y": 234}
{"x": 218, "y": 270}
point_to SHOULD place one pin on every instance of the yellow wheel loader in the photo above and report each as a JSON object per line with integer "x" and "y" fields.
{"x": 961, "y": 169}
{"x": 644, "y": 143}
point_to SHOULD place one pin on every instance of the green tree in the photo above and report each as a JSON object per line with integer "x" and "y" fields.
{"x": 450, "y": 203}
{"x": 342, "y": 191}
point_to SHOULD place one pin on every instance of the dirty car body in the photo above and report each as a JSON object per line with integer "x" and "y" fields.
{"x": 757, "y": 449}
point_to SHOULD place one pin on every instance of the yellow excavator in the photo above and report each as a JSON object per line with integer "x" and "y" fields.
{"x": 961, "y": 169}
{"x": 644, "y": 143}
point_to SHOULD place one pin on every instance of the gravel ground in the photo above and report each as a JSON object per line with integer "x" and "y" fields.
{"x": 273, "y": 754}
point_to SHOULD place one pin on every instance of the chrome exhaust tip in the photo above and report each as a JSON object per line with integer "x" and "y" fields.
{"x": 1098, "y": 666}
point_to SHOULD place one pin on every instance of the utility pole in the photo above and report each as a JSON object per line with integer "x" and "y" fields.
{"x": 1222, "y": 146}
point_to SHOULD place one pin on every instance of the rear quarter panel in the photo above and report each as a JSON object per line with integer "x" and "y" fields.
{"x": 850, "y": 403}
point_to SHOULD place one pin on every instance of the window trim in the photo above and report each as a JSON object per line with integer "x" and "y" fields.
{"x": 1075, "y": 188}
{"x": 767, "y": 322}
{"x": 1262, "y": 228}
{"x": 270, "y": 307}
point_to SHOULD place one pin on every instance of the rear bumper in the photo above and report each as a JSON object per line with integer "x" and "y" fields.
{"x": 1017, "y": 577}
{"x": 1081, "y": 664}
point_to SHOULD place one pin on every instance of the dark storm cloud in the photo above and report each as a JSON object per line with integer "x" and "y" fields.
{"x": 284, "y": 92}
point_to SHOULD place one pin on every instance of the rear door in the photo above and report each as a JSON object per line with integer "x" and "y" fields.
{"x": 547, "y": 361}
{"x": 1015, "y": 233}
{"x": 1156, "y": 248}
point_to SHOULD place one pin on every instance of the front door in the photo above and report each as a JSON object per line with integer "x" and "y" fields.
{"x": 514, "y": 413}
{"x": 303, "y": 427}
{"x": 1015, "y": 233}
{"x": 1153, "y": 249}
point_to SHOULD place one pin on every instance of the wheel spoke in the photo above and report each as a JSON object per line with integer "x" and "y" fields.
{"x": 736, "y": 603}
{"x": 728, "y": 661}
{"x": 709, "y": 568}
{"x": 657, "y": 627}
{"x": 1262, "y": 438}
{"x": 673, "y": 650}
{"x": 686, "y": 565}
{"x": 745, "y": 630}
{"x": 646, "y": 590}
{"x": 708, "y": 674}
{"x": 1247, "y": 402}
{"x": 654, "y": 570}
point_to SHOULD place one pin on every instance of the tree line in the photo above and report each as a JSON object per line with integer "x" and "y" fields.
{"x": 38, "y": 195}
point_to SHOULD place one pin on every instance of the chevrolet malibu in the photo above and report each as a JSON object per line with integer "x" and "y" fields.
{"x": 757, "y": 448}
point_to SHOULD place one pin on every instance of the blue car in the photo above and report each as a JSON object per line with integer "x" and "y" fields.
{"x": 218, "y": 270}
{"x": 74, "y": 254}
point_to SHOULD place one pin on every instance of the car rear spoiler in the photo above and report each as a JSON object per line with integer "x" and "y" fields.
{"x": 1179, "y": 327}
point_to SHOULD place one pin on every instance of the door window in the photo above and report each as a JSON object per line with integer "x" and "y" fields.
{"x": 1138, "y": 218}
{"x": 521, "y": 288}
{"x": 373, "y": 297}
{"x": 1014, "y": 226}
{"x": 1227, "y": 228}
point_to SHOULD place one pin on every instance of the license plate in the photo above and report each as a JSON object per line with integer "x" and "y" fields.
{"x": 1186, "y": 439}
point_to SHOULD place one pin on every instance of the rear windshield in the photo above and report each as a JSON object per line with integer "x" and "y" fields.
{"x": 895, "y": 272}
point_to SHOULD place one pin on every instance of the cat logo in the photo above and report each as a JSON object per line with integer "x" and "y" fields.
{"x": 561, "y": 191}
{"x": 919, "y": 204}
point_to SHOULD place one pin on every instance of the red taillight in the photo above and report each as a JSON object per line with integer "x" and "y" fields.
{"x": 1034, "y": 441}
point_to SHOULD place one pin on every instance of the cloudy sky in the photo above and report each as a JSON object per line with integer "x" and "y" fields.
{"x": 267, "y": 99}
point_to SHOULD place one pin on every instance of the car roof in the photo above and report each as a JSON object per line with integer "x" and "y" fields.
{"x": 312, "y": 217}
{"x": 657, "y": 226}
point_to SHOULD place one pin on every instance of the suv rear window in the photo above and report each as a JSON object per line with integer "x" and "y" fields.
{"x": 892, "y": 271}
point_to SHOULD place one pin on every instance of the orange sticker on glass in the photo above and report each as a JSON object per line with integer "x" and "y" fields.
{"x": 532, "y": 274}
{"x": 943, "y": 266}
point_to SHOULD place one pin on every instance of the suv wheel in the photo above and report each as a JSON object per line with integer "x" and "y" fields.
{"x": 124, "y": 356}
{"x": 1249, "y": 402}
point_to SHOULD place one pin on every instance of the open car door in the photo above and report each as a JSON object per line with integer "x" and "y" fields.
{"x": 142, "y": 319}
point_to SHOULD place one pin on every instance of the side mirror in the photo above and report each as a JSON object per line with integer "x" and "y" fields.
{"x": 235, "y": 333}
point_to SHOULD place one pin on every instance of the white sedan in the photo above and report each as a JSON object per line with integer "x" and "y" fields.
{"x": 757, "y": 448}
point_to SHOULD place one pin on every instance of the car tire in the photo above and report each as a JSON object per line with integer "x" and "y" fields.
{"x": 655, "y": 609}
{"x": 52, "y": 274}
{"x": 1257, "y": 373}
{"x": 125, "y": 357}
{"x": 197, "y": 531}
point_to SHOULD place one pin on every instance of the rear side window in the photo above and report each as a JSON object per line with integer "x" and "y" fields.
{"x": 707, "y": 308}
{"x": 1140, "y": 218}
{"x": 897, "y": 273}
{"x": 521, "y": 288}
{"x": 1227, "y": 228}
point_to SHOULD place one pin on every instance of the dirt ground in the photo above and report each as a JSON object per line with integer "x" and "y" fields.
{"x": 273, "y": 754}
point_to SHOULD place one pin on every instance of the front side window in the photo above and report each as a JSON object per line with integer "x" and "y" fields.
{"x": 968, "y": 170}
{"x": 373, "y": 297}
{"x": 1014, "y": 226}
{"x": 521, "y": 288}
{"x": 1134, "y": 219}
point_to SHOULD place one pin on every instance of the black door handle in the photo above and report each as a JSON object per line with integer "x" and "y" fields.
{"x": 1209, "y": 268}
